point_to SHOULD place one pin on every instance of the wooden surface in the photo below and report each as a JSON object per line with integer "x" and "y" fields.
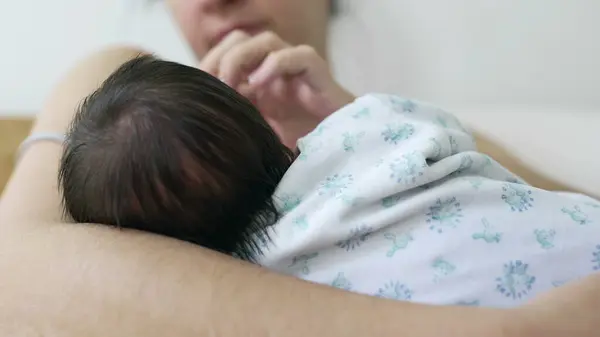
{"x": 12, "y": 132}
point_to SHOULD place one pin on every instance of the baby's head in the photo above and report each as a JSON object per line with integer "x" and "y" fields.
{"x": 169, "y": 149}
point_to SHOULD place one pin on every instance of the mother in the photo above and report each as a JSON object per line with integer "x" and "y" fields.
{"x": 64, "y": 280}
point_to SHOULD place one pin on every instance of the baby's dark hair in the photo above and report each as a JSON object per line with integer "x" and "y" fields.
{"x": 169, "y": 149}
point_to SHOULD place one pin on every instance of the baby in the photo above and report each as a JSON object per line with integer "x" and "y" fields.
{"x": 169, "y": 149}
{"x": 387, "y": 196}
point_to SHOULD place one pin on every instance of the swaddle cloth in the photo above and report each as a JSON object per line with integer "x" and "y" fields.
{"x": 389, "y": 197}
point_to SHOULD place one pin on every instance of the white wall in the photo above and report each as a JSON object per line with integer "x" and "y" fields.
{"x": 459, "y": 53}
{"x": 40, "y": 39}
{"x": 478, "y": 52}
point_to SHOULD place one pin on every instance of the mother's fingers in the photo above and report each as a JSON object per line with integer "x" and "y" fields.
{"x": 211, "y": 61}
{"x": 299, "y": 60}
{"x": 244, "y": 57}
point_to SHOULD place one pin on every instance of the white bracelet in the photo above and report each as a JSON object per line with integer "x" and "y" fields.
{"x": 38, "y": 137}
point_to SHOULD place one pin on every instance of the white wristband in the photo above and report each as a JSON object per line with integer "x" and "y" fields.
{"x": 38, "y": 137}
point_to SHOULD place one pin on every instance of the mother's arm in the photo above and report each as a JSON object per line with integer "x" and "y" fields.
{"x": 64, "y": 279}
{"x": 513, "y": 164}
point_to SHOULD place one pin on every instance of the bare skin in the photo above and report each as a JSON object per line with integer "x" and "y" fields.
{"x": 62, "y": 279}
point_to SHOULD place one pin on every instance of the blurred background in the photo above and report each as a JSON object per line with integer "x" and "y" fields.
{"x": 459, "y": 53}
{"x": 504, "y": 66}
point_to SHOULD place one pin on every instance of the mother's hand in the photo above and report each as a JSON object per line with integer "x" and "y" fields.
{"x": 291, "y": 85}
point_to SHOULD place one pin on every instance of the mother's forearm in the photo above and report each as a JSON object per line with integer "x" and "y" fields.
{"x": 82, "y": 280}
